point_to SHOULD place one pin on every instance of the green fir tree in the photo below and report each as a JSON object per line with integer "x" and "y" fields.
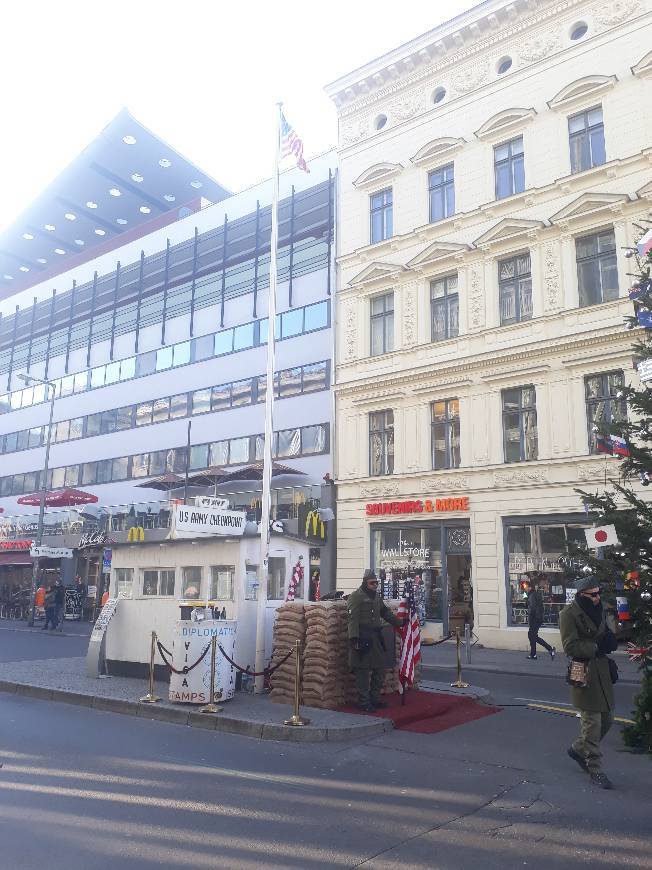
{"x": 626, "y": 570}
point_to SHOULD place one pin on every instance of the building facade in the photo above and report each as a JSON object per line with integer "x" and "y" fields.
{"x": 157, "y": 343}
{"x": 490, "y": 172}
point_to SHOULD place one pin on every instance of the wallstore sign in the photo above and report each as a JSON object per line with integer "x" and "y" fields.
{"x": 427, "y": 505}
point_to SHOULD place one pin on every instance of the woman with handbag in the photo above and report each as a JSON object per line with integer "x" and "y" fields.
{"x": 587, "y": 640}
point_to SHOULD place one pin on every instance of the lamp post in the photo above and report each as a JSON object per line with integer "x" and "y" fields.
{"x": 51, "y": 389}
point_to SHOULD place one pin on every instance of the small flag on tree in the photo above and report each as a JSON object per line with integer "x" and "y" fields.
{"x": 601, "y": 536}
{"x": 291, "y": 144}
{"x": 644, "y": 244}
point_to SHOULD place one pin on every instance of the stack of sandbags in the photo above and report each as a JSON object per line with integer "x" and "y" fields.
{"x": 326, "y": 677}
{"x": 289, "y": 627}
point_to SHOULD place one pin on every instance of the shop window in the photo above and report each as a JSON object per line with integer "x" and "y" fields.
{"x": 123, "y": 582}
{"x": 191, "y": 582}
{"x": 597, "y": 273}
{"x": 441, "y": 191}
{"x": 382, "y": 324}
{"x": 222, "y": 584}
{"x": 415, "y": 548}
{"x": 515, "y": 285}
{"x": 520, "y": 424}
{"x": 381, "y": 216}
{"x": 381, "y": 443}
{"x": 444, "y": 308}
{"x": 586, "y": 140}
{"x": 445, "y": 433}
{"x": 158, "y": 582}
{"x": 604, "y": 405}
{"x": 509, "y": 168}
{"x": 276, "y": 579}
{"x": 537, "y": 552}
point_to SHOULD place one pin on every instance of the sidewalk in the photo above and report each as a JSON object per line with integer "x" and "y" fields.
{"x": 506, "y": 661}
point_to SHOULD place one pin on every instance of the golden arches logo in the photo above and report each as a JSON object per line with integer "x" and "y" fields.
{"x": 318, "y": 527}
{"x": 136, "y": 534}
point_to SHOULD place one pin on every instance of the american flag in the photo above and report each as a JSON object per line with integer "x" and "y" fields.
{"x": 291, "y": 144}
{"x": 410, "y": 636}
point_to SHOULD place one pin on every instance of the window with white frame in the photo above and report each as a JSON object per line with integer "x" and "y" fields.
{"x": 381, "y": 443}
{"x": 276, "y": 578}
{"x": 605, "y": 403}
{"x": 382, "y": 324}
{"x": 520, "y": 424}
{"x": 509, "y": 169}
{"x": 222, "y": 582}
{"x": 445, "y": 433}
{"x": 586, "y": 140}
{"x": 381, "y": 212}
{"x": 158, "y": 582}
{"x": 191, "y": 577}
{"x": 444, "y": 308}
{"x": 597, "y": 271}
{"x": 515, "y": 289}
{"x": 123, "y": 582}
{"x": 441, "y": 192}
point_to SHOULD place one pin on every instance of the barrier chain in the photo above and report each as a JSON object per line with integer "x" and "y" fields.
{"x": 266, "y": 673}
{"x": 186, "y": 668}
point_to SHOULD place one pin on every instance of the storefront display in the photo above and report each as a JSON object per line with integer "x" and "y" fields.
{"x": 537, "y": 550}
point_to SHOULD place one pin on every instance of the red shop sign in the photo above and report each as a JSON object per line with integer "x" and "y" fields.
{"x": 15, "y": 545}
{"x": 428, "y": 506}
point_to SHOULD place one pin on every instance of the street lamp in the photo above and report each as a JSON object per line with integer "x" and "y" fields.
{"x": 51, "y": 391}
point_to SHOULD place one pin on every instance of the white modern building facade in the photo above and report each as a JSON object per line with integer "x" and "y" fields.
{"x": 156, "y": 341}
{"x": 490, "y": 173}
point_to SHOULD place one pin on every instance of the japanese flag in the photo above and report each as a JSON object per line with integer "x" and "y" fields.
{"x": 601, "y": 536}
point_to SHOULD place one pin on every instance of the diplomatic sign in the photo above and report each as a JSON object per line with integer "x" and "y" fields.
{"x": 418, "y": 506}
{"x": 51, "y": 553}
{"x": 198, "y": 522}
{"x": 189, "y": 642}
{"x": 211, "y": 501}
{"x": 95, "y": 664}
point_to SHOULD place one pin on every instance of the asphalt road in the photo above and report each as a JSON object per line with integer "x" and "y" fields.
{"x": 20, "y": 643}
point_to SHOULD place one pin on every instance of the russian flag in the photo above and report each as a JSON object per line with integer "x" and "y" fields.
{"x": 619, "y": 446}
{"x": 622, "y": 605}
{"x": 644, "y": 244}
{"x": 604, "y": 445}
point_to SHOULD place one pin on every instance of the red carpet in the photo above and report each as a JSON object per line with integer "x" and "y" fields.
{"x": 429, "y": 712}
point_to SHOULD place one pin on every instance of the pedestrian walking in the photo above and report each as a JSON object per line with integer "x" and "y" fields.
{"x": 587, "y": 638}
{"x": 50, "y": 609}
{"x": 535, "y": 621}
{"x": 366, "y": 615}
{"x": 59, "y": 603}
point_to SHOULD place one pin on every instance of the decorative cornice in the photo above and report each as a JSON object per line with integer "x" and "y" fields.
{"x": 507, "y": 230}
{"x": 378, "y": 174}
{"x": 521, "y": 476}
{"x": 589, "y": 204}
{"x": 582, "y": 90}
{"x": 503, "y": 123}
{"x": 375, "y": 272}
{"x": 643, "y": 68}
{"x": 437, "y": 150}
{"x": 436, "y": 253}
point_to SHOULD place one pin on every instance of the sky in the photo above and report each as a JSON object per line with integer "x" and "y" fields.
{"x": 204, "y": 75}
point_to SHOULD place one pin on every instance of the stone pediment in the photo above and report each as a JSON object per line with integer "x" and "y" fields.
{"x": 438, "y": 149}
{"x": 376, "y": 272}
{"x": 588, "y": 204}
{"x": 437, "y": 252}
{"x": 644, "y": 66}
{"x": 507, "y": 121}
{"x": 645, "y": 192}
{"x": 507, "y": 229}
{"x": 379, "y": 173}
{"x": 582, "y": 91}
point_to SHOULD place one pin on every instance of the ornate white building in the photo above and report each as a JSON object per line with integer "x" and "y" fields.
{"x": 490, "y": 171}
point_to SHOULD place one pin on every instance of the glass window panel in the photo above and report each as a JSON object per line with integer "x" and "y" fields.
{"x": 315, "y": 377}
{"x": 166, "y": 581}
{"x": 201, "y": 401}
{"x": 262, "y": 331}
{"x": 199, "y": 456}
{"x": 289, "y": 442}
{"x": 191, "y": 585}
{"x": 89, "y": 473}
{"x": 181, "y": 354}
{"x": 112, "y": 374}
{"x": 160, "y": 410}
{"x": 291, "y": 323}
{"x": 316, "y": 316}
{"x": 241, "y": 393}
{"x": 576, "y": 123}
{"x": 150, "y": 583}
{"x": 120, "y": 468}
{"x": 107, "y": 423}
{"x": 93, "y": 425}
{"x": 178, "y": 406}
{"x": 221, "y": 583}
{"x": 140, "y": 465}
{"x": 243, "y": 336}
{"x": 21, "y": 439}
{"x": 203, "y": 347}
{"x": 62, "y": 430}
{"x": 260, "y": 447}
{"x": 146, "y": 363}
{"x": 158, "y": 462}
{"x": 219, "y": 453}
{"x": 39, "y": 393}
{"x": 313, "y": 439}
{"x": 81, "y": 382}
{"x": 103, "y": 471}
{"x": 35, "y": 436}
{"x": 223, "y": 342}
{"x": 124, "y": 417}
{"x": 290, "y": 382}
{"x": 128, "y": 368}
{"x": 67, "y": 386}
{"x": 163, "y": 358}
{"x": 11, "y": 441}
{"x": 144, "y": 414}
{"x": 76, "y": 428}
{"x": 221, "y": 397}
{"x": 71, "y": 475}
{"x": 239, "y": 450}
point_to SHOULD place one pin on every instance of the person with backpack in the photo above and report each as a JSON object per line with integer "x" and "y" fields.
{"x": 535, "y": 621}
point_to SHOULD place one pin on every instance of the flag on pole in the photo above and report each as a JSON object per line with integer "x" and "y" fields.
{"x": 644, "y": 244}
{"x": 410, "y": 636}
{"x": 291, "y": 144}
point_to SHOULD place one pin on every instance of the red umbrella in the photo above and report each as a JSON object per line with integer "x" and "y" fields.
{"x": 59, "y": 498}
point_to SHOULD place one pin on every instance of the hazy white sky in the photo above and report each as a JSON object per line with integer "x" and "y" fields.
{"x": 202, "y": 74}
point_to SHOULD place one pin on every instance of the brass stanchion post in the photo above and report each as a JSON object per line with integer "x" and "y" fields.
{"x": 150, "y": 697}
{"x": 459, "y": 683}
{"x": 295, "y": 718}
{"x": 212, "y": 707}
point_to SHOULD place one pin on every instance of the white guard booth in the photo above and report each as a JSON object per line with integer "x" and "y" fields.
{"x": 191, "y": 640}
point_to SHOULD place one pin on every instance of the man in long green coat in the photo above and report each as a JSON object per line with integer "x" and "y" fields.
{"x": 586, "y": 637}
{"x": 367, "y": 614}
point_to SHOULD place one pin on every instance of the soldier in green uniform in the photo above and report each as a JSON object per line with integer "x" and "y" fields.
{"x": 367, "y": 614}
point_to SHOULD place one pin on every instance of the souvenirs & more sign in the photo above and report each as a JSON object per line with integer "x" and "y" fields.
{"x": 418, "y": 506}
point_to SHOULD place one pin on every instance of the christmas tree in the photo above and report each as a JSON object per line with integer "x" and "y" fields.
{"x": 626, "y": 568}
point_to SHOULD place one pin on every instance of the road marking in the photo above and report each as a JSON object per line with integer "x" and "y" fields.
{"x": 574, "y": 713}
{"x": 542, "y": 701}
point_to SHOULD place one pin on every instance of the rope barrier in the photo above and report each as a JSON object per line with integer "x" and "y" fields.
{"x": 266, "y": 673}
{"x": 437, "y": 642}
{"x": 186, "y": 668}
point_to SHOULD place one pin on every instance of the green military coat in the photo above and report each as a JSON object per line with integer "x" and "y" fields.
{"x": 580, "y": 636}
{"x": 366, "y": 616}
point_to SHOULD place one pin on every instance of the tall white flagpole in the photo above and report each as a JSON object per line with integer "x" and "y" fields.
{"x": 263, "y": 560}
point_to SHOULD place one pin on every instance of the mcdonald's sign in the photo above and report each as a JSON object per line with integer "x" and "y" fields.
{"x": 310, "y": 526}
{"x": 136, "y": 535}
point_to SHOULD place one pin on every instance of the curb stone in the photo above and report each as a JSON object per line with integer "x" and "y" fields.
{"x": 194, "y": 719}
